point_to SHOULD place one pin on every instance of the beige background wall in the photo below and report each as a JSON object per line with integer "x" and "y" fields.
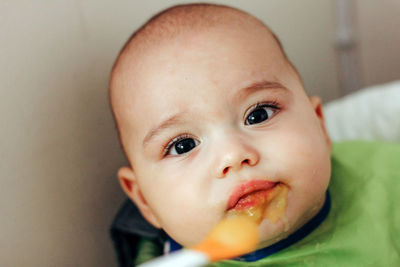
{"x": 379, "y": 40}
{"x": 58, "y": 148}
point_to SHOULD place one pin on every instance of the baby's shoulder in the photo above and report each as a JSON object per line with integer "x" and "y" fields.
{"x": 367, "y": 155}
{"x": 371, "y": 166}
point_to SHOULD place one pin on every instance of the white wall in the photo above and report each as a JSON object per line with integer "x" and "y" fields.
{"x": 59, "y": 151}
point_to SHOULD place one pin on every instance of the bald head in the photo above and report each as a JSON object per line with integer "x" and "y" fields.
{"x": 178, "y": 22}
{"x": 183, "y": 19}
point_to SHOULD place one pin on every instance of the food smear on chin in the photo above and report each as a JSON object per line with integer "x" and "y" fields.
{"x": 264, "y": 204}
{"x": 227, "y": 239}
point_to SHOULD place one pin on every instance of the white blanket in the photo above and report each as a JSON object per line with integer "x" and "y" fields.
{"x": 369, "y": 114}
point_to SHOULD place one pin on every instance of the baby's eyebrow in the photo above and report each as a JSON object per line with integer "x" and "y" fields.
{"x": 168, "y": 123}
{"x": 258, "y": 86}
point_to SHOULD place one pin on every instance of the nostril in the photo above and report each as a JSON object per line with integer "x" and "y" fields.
{"x": 246, "y": 161}
{"x": 225, "y": 171}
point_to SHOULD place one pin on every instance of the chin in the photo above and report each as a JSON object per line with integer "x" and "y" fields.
{"x": 270, "y": 233}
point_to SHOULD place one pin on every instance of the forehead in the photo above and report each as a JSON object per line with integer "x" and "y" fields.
{"x": 202, "y": 66}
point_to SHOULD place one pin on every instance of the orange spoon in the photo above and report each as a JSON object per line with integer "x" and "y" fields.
{"x": 230, "y": 238}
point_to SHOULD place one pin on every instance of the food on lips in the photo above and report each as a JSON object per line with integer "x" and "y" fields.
{"x": 258, "y": 200}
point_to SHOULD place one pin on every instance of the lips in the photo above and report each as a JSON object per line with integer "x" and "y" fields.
{"x": 250, "y": 194}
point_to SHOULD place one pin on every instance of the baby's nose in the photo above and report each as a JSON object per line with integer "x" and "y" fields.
{"x": 235, "y": 154}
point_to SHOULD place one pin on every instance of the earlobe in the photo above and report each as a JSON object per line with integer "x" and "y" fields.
{"x": 317, "y": 106}
{"x": 127, "y": 180}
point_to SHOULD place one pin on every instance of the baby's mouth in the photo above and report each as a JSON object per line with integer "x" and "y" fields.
{"x": 259, "y": 199}
{"x": 250, "y": 194}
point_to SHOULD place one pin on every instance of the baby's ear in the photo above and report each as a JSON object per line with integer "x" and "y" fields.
{"x": 317, "y": 106}
{"x": 128, "y": 182}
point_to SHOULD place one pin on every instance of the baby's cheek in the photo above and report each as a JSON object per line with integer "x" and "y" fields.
{"x": 301, "y": 159}
{"x": 187, "y": 226}
{"x": 186, "y": 219}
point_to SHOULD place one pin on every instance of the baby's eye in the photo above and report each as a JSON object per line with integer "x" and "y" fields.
{"x": 181, "y": 145}
{"x": 260, "y": 113}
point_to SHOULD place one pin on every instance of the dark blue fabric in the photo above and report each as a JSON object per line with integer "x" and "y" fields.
{"x": 290, "y": 240}
{"x": 127, "y": 229}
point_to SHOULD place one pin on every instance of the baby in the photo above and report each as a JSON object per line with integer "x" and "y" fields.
{"x": 214, "y": 120}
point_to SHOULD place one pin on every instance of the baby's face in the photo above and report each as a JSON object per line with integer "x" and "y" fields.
{"x": 205, "y": 114}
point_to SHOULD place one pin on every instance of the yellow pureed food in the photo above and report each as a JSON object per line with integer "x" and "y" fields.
{"x": 272, "y": 207}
